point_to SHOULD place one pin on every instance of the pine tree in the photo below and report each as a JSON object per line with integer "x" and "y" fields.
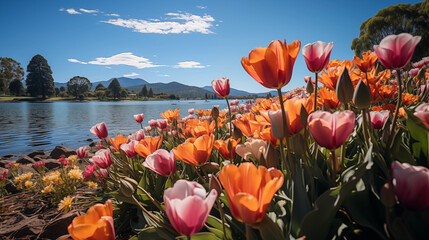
{"x": 16, "y": 88}
{"x": 115, "y": 88}
{"x": 150, "y": 94}
{"x": 39, "y": 78}
{"x": 143, "y": 92}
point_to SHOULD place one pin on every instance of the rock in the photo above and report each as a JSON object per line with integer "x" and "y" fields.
{"x": 93, "y": 144}
{"x": 28, "y": 168}
{"x": 35, "y": 153}
{"x": 52, "y": 164}
{"x": 40, "y": 157}
{"x": 25, "y": 160}
{"x": 61, "y": 150}
{"x": 58, "y": 228}
{"x": 89, "y": 140}
{"x": 10, "y": 187}
{"x": 3, "y": 163}
{"x": 8, "y": 156}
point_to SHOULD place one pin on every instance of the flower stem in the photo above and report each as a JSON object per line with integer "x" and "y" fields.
{"x": 151, "y": 198}
{"x": 334, "y": 167}
{"x": 315, "y": 94}
{"x": 222, "y": 217}
{"x": 395, "y": 116}
{"x": 199, "y": 175}
{"x": 286, "y": 130}
{"x": 248, "y": 232}
{"x": 230, "y": 119}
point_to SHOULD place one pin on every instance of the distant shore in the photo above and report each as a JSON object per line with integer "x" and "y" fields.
{"x": 63, "y": 99}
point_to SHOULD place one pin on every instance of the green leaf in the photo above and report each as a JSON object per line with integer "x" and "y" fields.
{"x": 419, "y": 138}
{"x": 201, "y": 236}
{"x": 149, "y": 234}
{"x": 217, "y": 225}
{"x": 269, "y": 230}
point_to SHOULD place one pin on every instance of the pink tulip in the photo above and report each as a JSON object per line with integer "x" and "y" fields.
{"x": 139, "y": 117}
{"x": 378, "y": 119}
{"x": 82, "y": 152}
{"x": 89, "y": 169}
{"x": 308, "y": 78}
{"x": 411, "y": 185}
{"x": 102, "y": 158}
{"x": 331, "y": 130}
{"x": 162, "y": 123}
{"x": 153, "y": 123}
{"x": 234, "y": 102}
{"x": 100, "y": 130}
{"x": 221, "y": 87}
{"x": 413, "y": 72}
{"x": 277, "y": 126}
{"x": 139, "y": 135}
{"x": 187, "y": 206}
{"x": 316, "y": 55}
{"x": 3, "y": 175}
{"x": 422, "y": 112}
{"x": 395, "y": 51}
{"x": 191, "y": 111}
{"x": 128, "y": 148}
{"x": 161, "y": 162}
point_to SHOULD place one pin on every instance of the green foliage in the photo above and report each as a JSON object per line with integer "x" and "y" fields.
{"x": 62, "y": 89}
{"x": 413, "y": 19}
{"x": 99, "y": 87}
{"x": 39, "y": 78}
{"x": 16, "y": 88}
{"x": 10, "y": 70}
{"x": 77, "y": 86}
{"x": 150, "y": 94}
{"x": 115, "y": 89}
{"x": 143, "y": 92}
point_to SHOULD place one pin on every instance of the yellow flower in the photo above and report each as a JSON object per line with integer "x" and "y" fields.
{"x": 72, "y": 159}
{"x": 92, "y": 184}
{"x": 75, "y": 173}
{"x": 48, "y": 189}
{"x": 29, "y": 184}
{"x": 52, "y": 178}
{"x": 23, "y": 177}
{"x": 65, "y": 204}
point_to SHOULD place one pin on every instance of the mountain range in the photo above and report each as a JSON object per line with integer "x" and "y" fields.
{"x": 184, "y": 91}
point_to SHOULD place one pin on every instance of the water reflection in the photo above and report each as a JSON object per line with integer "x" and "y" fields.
{"x": 25, "y": 127}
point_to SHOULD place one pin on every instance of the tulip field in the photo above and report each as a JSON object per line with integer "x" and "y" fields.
{"x": 344, "y": 157}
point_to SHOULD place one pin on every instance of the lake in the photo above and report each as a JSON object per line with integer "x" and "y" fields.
{"x": 27, "y": 126}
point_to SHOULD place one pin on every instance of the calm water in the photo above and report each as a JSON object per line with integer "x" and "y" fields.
{"x": 25, "y": 126}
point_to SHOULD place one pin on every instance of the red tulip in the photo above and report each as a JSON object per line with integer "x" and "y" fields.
{"x": 191, "y": 111}
{"x": 331, "y": 130}
{"x": 272, "y": 66}
{"x": 221, "y": 87}
{"x": 411, "y": 185}
{"x": 422, "y": 112}
{"x": 129, "y": 148}
{"x": 162, "y": 123}
{"x": 139, "y": 135}
{"x": 89, "y": 169}
{"x": 316, "y": 55}
{"x": 161, "y": 162}
{"x": 102, "y": 158}
{"x": 395, "y": 51}
{"x": 187, "y": 206}
{"x": 100, "y": 130}
{"x": 153, "y": 123}
{"x": 139, "y": 117}
{"x": 379, "y": 118}
{"x": 82, "y": 152}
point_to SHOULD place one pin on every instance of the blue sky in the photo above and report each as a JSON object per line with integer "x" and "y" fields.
{"x": 191, "y": 42}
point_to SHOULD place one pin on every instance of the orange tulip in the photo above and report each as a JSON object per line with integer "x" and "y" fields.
{"x": 118, "y": 141}
{"x": 222, "y": 147}
{"x": 293, "y": 108}
{"x": 267, "y": 135}
{"x": 329, "y": 77}
{"x": 97, "y": 224}
{"x": 368, "y": 61}
{"x": 408, "y": 98}
{"x": 250, "y": 190}
{"x": 200, "y": 112}
{"x": 170, "y": 115}
{"x": 202, "y": 128}
{"x": 195, "y": 151}
{"x": 248, "y": 126}
{"x": 272, "y": 66}
{"x": 148, "y": 145}
{"x": 329, "y": 98}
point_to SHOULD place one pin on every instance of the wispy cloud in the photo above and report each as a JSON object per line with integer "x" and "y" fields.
{"x": 190, "y": 64}
{"x": 89, "y": 11}
{"x": 111, "y": 14}
{"x": 131, "y": 74}
{"x": 70, "y": 10}
{"x": 180, "y": 22}
{"x": 165, "y": 75}
{"x": 202, "y": 7}
{"x": 127, "y": 58}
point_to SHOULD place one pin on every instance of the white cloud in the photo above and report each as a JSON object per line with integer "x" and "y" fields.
{"x": 89, "y": 11}
{"x": 131, "y": 74}
{"x": 202, "y": 7}
{"x": 180, "y": 22}
{"x": 190, "y": 64}
{"x": 75, "y": 61}
{"x": 70, "y": 11}
{"x": 111, "y": 14}
{"x": 121, "y": 59}
{"x": 109, "y": 67}
{"x": 165, "y": 75}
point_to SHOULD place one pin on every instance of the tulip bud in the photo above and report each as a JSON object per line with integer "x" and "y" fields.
{"x": 387, "y": 195}
{"x": 215, "y": 184}
{"x": 303, "y": 115}
{"x": 362, "y": 96}
{"x": 310, "y": 87}
{"x": 215, "y": 113}
{"x": 210, "y": 167}
{"x": 277, "y": 127}
{"x": 271, "y": 157}
{"x": 127, "y": 186}
{"x": 237, "y": 132}
{"x": 344, "y": 87}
